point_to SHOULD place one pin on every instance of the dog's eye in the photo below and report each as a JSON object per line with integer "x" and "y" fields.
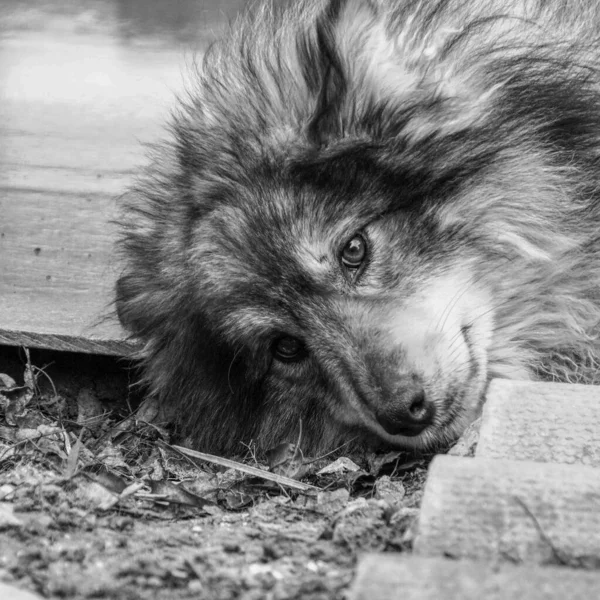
{"x": 354, "y": 252}
{"x": 287, "y": 349}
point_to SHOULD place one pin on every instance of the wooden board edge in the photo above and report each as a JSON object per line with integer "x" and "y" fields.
{"x": 68, "y": 343}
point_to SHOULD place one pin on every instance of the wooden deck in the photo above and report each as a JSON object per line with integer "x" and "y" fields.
{"x": 82, "y": 86}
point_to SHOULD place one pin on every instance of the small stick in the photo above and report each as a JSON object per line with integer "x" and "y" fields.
{"x": 231, "y": 464}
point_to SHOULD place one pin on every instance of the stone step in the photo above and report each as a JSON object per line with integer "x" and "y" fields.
{"x": 9, "y": 592}
{"x": 540, "y": 421}
{"x": 388, "y": 576}
{"x": 511, "y": 510}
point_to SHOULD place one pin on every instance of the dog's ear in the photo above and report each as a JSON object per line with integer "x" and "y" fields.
{"x": 352, "y": 62}
{"x": 366, "y": 73}
{"x": 326, "y": 54}
{"x": 323, "y": 73}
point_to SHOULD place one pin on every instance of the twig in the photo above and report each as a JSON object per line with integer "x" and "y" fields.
{"x": 313, "y": 460}
{"x": 43, "y": 372}
{"x": 31, "y": 377}
{"x": 231, "y": 464}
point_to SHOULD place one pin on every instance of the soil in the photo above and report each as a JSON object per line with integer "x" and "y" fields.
{"x": 96, "y": 503}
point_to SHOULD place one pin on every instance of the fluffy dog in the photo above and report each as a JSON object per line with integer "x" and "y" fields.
{"x": 365, "y": 211}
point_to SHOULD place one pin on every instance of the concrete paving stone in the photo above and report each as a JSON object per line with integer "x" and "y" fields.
{"x": 9, "y": 592}
{"x": 389, "y": 576}
{"x": 512, "y": 510}
{"x": 540, "y": 421}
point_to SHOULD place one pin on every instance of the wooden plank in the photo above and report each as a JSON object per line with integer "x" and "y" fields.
{"x": 518, "y": 511}
{"x": 82, "y": 86}
{"x": 540, "y": 421}
{"x": 56, "y": 280}
{"x": 392, "y": 575}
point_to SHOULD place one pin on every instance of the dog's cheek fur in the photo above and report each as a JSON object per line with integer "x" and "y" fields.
{"x": 533, "y": 262}
{"x": 298, "y": 406}
{"x": 206, "y": 384}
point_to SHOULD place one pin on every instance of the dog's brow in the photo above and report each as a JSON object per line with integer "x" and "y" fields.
{"x": 252, "y": 319}
{"x": 312, "y": 251}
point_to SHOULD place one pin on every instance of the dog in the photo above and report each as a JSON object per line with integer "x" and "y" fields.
{"x": 364, "y": 211}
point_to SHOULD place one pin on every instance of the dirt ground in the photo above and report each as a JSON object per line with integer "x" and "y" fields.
{"x": 96, "y": 503}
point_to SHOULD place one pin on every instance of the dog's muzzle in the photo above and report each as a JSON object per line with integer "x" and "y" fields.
{"x": 409, "y": 412}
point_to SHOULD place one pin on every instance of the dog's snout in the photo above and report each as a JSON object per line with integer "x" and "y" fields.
{"x": 419, "y": 409}
{"x": 409, "y": 413}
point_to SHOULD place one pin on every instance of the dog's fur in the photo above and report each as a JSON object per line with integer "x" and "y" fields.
{"x": 459, "y": 138}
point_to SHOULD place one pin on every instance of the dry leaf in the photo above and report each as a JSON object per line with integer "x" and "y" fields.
{"x": 467, "y": 443}
{"x": 286, "y": 459}
{"x": 176, "y": 494}
{"x": 72, "y": 457}
{"x": 95, "y": 494}
{"x": 7, "y": 516}
{"x": 7, "y": 382}
{"x": 389, "y": 490}
{"x": 111, "y": 481}
{"x": 89, "y": 409}
{"x": 341, "y": 465}
{"x": 148, "y": 410}
{"x": 327, "y": 503}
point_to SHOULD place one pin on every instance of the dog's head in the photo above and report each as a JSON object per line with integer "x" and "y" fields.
{"x": 329, "y": 237}
{"x": 337, "y": 291}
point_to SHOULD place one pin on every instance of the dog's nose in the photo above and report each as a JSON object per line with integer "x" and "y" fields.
{"x": 410, "y": 412}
